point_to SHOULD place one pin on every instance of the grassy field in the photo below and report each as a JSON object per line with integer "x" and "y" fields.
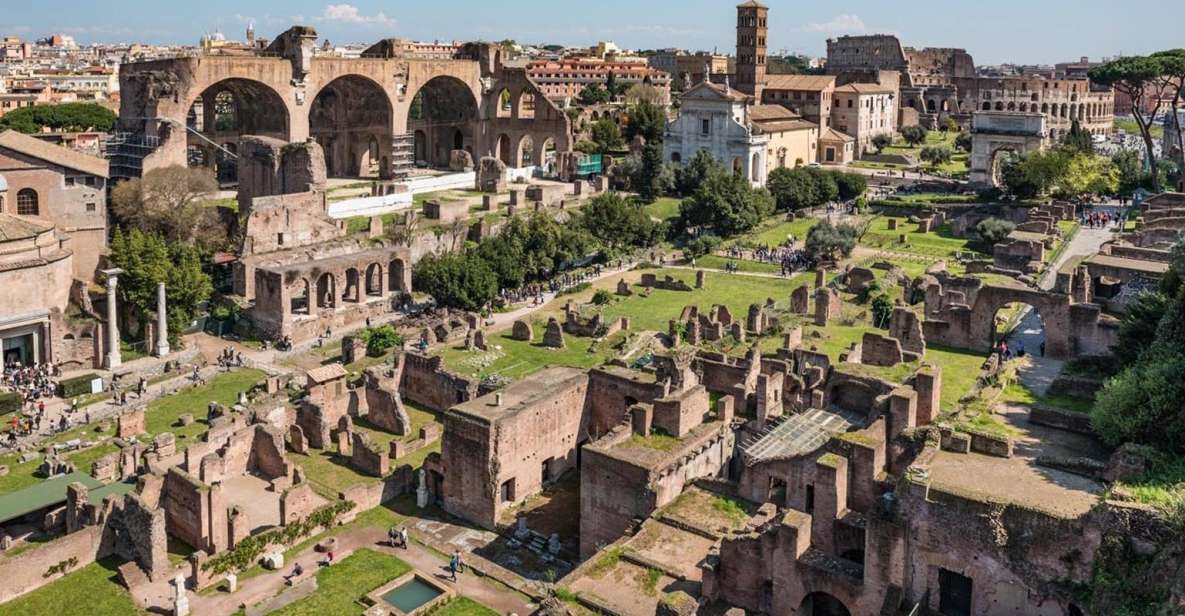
{"x": 742, "y": 265}
{"x": 959, "y": 165}
{"x": 462, "y": 606}
{"x": 94, "y": 586}
{"x": 663, "y": 208}
{"x": 339, "y": 587}
{"x": 939, "y": 243}
{"x": 1130, "y": 127}
{"x": 774, "y": 232}
{"x": 515, "y": 358}
{"x": 161, "y": 416}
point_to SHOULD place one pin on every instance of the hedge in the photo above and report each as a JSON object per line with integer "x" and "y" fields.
{"x": 77, "y": 386}
{"x": 10, "y": 403}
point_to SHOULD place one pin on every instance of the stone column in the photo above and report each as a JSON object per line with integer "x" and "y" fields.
{"x": 114, "y": 357}
{"x": 162, "y": 322}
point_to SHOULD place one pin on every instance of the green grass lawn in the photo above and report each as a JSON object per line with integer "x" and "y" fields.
{"x": 518, "y": 358}
{"x": 1130, "y": 127}
{"x": 743, "y": 265}
{"x": 663, "y": 208}
{"x": 774, "y": 232}
{"x": 463, "y": 606}
{"x": 340, "y": 586}
{"x": 960, "y": 369}
{"x": 939, "y": 243}
{"x": 160, "y": 417}
{"x": 93, "y": 589}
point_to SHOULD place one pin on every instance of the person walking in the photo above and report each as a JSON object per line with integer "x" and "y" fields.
{"x": 403, "y": 537}
{"x": 454, "y": 564}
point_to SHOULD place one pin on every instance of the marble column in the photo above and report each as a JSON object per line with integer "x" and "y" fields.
{"x": 114, "y": 357}
{"x": 162, "y": 322}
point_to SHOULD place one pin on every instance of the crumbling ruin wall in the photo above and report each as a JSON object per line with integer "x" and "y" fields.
{"x": 611, "y": 393}
{"x": 426, "y": 382}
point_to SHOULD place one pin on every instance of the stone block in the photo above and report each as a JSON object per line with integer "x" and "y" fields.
{"x": 859, "y": 278}
{"x": 131, "y": 423}
{"x": 522, "y": 331}
{"x": 800, "y": 300}
{"x": 553, "y": 336}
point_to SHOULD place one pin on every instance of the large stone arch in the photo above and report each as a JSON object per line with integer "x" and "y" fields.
{"x": 221, "y": 113}
{"x": 348, "y": 116}
{"x": 994, "y": 132}
{"x": 440, "y": 110}
{"x": 822, "y": 604}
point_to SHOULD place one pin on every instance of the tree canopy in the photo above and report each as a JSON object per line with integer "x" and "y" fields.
{"x": 606, "y": 135}
{"x": 69, "y": 117}
{"x": 726, "y": 204}
{"x": 148, "y": 260}
{"x": 828, "y": 242}
{"x": 174, "y": 202}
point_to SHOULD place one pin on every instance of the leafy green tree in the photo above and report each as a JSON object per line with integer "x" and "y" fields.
{"x": 1137, "y": 330}
{"x": 68, "y": 117}
{"x": 882, "y": 141}
{"x": 616, "y": 223}
{"x": 914, "y": 135}
{"x": 1139, "y": 79}
{"x": 826, "y": 188}
{"x": 882, "y": 311}
{"x": 691, "y": 175}
{"x": 649, "y": 180}
{"x": 148, "y": 260}
{"x": 793, "y": 189}
{"x": 463, "y": 281}
{"x": 602, "y": 297}
{"x": 702, "y": 245}
{"x": 726, "y": 204}
{"x": 851, "y": 185}
{"x": 606, "y": 135}
{"x": 1035, "y": 173}
{"x": 1078, "y": 139}
{"x": 381, "y": 339}
{"x": 991, "y": 231}
{"x": 949, "y": 125}
{"x": 963, "y": 141}
{"x": 594, "y": 94}
{"x": 1089, "y": 174}
{"x": 1131, "y": 172}
{"x": 936, "y": 155}
{"x": 828, "y": 242}
{"x": 648, "y": 120}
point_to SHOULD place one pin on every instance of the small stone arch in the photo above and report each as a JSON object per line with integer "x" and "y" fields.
{"x": 502, "y": 150}
{"x": 932, "y": 106}
{"x": 396, "y": 276}
{"x": 755, "y": 168}
{"x": 738, "y": 166}
{"x": 374, "y": 280}
{"x": 676, "y": 158}
{"x": 353, "y": 287}
{"x": 326, "y": 291}
{"x": 505, "y": 107}
{"x": 545, "y": 157}
{"x": 822, "y": 604}
{"x": 1011, "y": 106}
{"x": 299, "y": 302}
{"x": 987, "y": 106}
{"x": 525, "y": 152}
{"x": 999, "y": 106}
{"x": 526, "y": 105}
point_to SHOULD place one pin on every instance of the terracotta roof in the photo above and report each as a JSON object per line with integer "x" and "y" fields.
{"x": 55, "y": 154}
{"x": 760, "y": 113}
{"x": 730, "y": 93}
{"x": 782, "y": 126}
{"x": 16, "y": 228}
{"x": 799, "y": 82}
{"x": 830, "y": 134}
{"x": 328, "y": 373}
{"x": 865, "y": 88}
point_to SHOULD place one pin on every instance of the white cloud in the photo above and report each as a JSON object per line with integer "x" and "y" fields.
{"x": 840, "y": 24}
{"x": 349, "y": 14}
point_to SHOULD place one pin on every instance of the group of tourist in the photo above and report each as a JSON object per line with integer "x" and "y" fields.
{"x": 230, "y": 358}
{"x": 32, "y": 382}
{"x": 790, "y": 260}
{"x": 1097, "y": 220}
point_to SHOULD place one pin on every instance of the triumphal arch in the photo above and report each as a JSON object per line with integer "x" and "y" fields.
{"x": 995, "y": 134}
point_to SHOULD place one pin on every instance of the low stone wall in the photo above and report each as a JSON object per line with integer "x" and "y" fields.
{"x": 1057, "y": 418}
{"x": 25, "y": 572}
{"x": 1075, "y": 386}
{"x": 371, "y": 495}
{"x": 991, "y": 445}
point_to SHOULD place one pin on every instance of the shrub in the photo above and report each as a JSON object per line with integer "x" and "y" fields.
{"x": 991, "y": 231}
{"x": 602, "y": 297}
{"x": 702, "y": 245}
{"x": 77, "y": 386}
{"x": 381, "y": 339}
{"x": 882, "y": 310}
{"x": 827, "y": 242}
{"x": 10, "y": 402}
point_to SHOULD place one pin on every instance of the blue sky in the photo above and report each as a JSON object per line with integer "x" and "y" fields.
{"x": 994, "y": 31}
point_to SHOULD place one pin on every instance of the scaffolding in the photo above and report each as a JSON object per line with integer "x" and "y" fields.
{"x": 126, "y": 153}
{"x": 403, "y": 155}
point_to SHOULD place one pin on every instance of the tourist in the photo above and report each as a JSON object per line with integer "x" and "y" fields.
{"x": 403, "y": 537}
{"x": 1020, "y": 349}
{"x": 392, "y": 536}
{"x": 454, "y": 564}
{"x": 297, "y": 571}
{"x": 328, "y": 559}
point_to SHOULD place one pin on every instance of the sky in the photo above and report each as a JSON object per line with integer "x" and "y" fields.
{"x": 995, "y": 31}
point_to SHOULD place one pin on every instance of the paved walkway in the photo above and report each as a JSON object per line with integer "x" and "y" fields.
{"x": 271, "y": 584}
{"x": 1039, "y": 371}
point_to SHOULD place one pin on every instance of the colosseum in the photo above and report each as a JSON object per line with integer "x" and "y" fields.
{"x": 943, "y": 82}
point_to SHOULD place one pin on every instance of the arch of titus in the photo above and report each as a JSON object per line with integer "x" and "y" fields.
{"x": 192, "y": 110}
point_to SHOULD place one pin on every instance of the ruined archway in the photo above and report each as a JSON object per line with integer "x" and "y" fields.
{"x": 502, "y": 149}
{"x": 348, "y": 116}
{"x": 526, "y": 152}
{"x": 326, "y": 291}
{"x": 224, "y": 112}
{"x": 822, "y": 604}
{"x": 374, "y": 280}
{"x": 442, "y": 115}
{"x": 1020, "y": 325}
{"x": 299, "y": 302}
{"x": 545, "y": 158}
